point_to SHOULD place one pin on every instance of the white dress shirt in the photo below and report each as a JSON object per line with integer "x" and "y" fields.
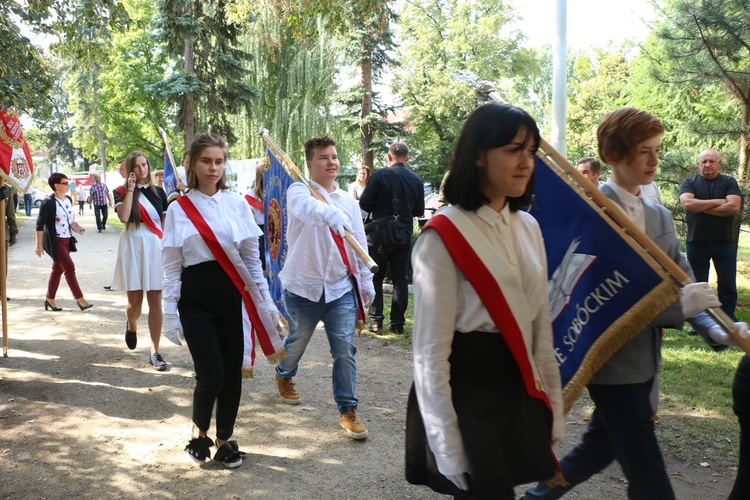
{"x": 313, "y": 264}
{"x": 445, "y": 301}
{"x": 633, "y": 205}
{"x": 229, "y": 217}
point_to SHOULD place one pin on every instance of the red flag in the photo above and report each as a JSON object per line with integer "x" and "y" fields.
{"x": 16, "y": 165}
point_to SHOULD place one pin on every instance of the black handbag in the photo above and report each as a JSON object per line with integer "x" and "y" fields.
{"x": 73, "y": 242}
{"x": 388, "y": 232}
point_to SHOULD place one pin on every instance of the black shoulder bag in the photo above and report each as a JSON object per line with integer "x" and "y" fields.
{"x": 387, "y": 232}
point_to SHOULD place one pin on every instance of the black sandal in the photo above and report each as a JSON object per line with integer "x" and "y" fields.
{"x": 229, "y": 454}
{"x": 198, "y": 449}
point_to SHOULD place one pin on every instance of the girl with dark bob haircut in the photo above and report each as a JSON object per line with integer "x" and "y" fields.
{"x": 487, "y": 399}
{"x": 490, "y": 126}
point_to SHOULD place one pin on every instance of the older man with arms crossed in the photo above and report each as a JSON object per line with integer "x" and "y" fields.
{"x": 711, "y": 201}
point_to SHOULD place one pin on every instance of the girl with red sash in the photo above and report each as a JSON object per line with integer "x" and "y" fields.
{"x": 141, "y": 206}
{"x": 213, "y": 277}
{"x": 486, "y": 405}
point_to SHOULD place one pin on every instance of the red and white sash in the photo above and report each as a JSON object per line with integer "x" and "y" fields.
{"x": 146, "y": 218}
{"x": 509, "y": 311}
{"x": 254, "y": 202}
{"x": 345, "y": 257}
{"x": 145, "y": 210}
{"x": 257, "y": 320}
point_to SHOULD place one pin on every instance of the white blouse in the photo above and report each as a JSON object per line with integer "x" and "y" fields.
{"x": 444, "y": 301}
{"x": 64, "y": 217}
{"x": 229, "y": 217}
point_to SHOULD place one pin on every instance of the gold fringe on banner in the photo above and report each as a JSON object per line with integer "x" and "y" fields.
{"x": 621, "y": 331}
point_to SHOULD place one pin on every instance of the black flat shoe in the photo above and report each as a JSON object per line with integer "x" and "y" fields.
{"x": 229, "y": 454}
{"x": 131, "y": 338}
{"x": 198, "y": 449}
{"x": 48, "y": 306}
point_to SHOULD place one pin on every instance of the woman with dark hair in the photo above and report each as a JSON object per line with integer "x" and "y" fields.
{"x": 486, "y": 404}
{"x": 54, "y": 227}
{"x": 141, "y": 206}
{"x": 213, "y": 277}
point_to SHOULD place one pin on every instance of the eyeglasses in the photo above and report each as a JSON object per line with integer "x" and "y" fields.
{"x": 64, "y": 182}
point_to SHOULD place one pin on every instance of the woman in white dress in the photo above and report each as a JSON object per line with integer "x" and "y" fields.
{"x": 141, "y": 206}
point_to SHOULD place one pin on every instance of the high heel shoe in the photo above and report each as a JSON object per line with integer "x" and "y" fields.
{"x": 83, "y": 308}
{"x": 48, "y": 306}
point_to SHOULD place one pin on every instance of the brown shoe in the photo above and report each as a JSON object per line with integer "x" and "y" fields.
{"x": 353, "y": 427}
{"x": 287, "y": 391}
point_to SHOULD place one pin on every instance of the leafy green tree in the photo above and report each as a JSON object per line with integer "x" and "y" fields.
{"x": 705, "y": 43}
{"x": 295, "y": 70}
{"x": 209, "y": 80}
{"x": 85, "y": 29}
{"x": 441, "y": 38}
{"x": 25, "y": 79}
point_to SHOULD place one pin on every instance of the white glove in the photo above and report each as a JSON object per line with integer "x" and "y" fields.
{"x": 460, "y": 481}
{"x": 172, "y": 328}
{"x": 368, "y": 295}
{"x": 697, "y": 297}
{"x": 719, "y": 336}
{"x": 338, "y": 222}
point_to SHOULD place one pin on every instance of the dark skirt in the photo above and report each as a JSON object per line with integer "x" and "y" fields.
{"x": 506, "y": 432}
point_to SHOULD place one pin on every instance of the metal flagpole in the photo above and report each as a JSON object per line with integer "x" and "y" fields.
{"x": 295, "y": 174}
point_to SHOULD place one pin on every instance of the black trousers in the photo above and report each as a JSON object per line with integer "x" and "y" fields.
{"x": 211, "y": 314}
{"x": 741, "y": 397}
{"x": 398, "y": 260}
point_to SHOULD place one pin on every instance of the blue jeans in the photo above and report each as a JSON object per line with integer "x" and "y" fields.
{"x": 100, "y": 212}
{"x": 339, "y": 320}
{"x": 620, "y": 429}
{"x": 28, "y": 202}
{"x": 724, "y": 256}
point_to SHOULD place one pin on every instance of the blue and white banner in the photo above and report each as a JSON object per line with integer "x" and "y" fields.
{"x": 601, "y": 289}
{"x": 276, "y": 181}
{"x": 170, "y": 179}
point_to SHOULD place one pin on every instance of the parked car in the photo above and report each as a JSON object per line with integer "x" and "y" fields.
{"x": 39, "y": 196}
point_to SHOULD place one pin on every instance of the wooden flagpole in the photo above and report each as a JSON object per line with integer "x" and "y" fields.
{"x": 291, "y": 169}
{"x": 3, "y": 273}
{"x": 486, "y": 91}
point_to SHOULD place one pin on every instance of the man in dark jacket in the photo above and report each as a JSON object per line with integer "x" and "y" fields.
{"x": 387, "y": 184}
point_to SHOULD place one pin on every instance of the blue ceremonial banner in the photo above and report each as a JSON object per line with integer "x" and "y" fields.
{"x": 275, "y": 183}
{"x": 602, "y": 291}
{"x": 170, "y": 179}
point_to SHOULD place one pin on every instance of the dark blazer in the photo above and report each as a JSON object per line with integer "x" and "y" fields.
{"x": 45, "y": 222}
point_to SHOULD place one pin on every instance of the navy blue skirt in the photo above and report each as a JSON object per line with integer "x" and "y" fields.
{"x": 506, "y": 432}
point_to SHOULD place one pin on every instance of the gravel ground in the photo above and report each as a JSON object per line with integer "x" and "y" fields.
{"x": 82, "y": 416}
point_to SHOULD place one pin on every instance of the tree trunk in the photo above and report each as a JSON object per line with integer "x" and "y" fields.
{"x": 188, "y": 111}
{"x": 367, "y": 157}
{"x": 744, "y": 145}
{"x": 97, "y": 122}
